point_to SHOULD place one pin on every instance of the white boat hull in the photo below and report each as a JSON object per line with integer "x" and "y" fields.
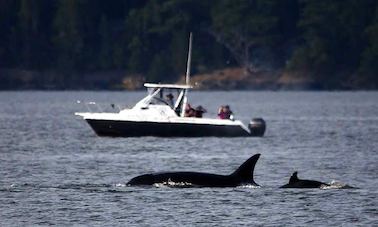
{"x": 117, "y": 128}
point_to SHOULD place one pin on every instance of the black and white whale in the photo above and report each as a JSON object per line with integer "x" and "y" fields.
{"x": 295, "y": 182}
{"x": 242, "y": 176}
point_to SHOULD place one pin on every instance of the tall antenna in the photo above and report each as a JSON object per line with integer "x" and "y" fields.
{"x": 185, "y": 94}
{"x": 189, "y": 59}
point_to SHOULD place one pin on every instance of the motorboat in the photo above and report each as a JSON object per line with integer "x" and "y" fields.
{"x": 155, "y": 116}
{"x": 164, "y": 113}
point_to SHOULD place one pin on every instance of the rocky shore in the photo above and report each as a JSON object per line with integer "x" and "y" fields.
{"x": 224, "y": 79}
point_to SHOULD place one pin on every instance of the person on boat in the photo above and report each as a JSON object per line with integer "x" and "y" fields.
{"x": 225, "y": 112}
{"x": 221, "y": 112}
{"x": 189, "y": 111}
{"x": 169, "y": 98}
{"x": 229, "y": 113}
{"x": 199, "y": 111}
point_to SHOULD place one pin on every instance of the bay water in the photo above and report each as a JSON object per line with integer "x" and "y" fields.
{"x": 54, "y": 170}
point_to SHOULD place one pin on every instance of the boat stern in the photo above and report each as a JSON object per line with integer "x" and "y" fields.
{"x": 257, "y": 127}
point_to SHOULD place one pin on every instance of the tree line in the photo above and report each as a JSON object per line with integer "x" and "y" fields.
{"x": 332, "y": 42}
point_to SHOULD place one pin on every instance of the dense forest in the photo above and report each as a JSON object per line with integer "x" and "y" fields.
{"x": 65, "y": 44}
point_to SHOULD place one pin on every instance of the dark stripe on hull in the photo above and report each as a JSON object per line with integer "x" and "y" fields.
{"x": 136, "y": 129}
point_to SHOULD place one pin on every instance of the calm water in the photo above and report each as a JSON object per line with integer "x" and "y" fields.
{"x": 55, "y": 170}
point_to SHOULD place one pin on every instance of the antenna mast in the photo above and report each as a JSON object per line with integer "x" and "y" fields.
{"x": 187, "y": 77}
{"x": 189, "y": 59}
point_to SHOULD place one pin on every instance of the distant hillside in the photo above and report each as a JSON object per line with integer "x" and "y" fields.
{"x": 81, "y": 44}
{"x": 235, "y": 78}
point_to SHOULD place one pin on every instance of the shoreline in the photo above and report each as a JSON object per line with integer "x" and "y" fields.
{"x": 227, "y": 79}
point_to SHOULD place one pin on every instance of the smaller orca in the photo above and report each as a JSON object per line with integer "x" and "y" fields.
{"x": 295, "y": 182}
{"x": 243, "y": 175}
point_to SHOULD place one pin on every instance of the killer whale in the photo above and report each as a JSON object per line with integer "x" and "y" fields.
{"x": 241, "y": 176}
{"x": 295, "y": 182}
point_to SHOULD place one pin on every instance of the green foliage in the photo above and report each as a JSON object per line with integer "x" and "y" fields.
{"x": 137, "y": 51}
{"x": 68, "y": 38}
{"x": 242, "y": 26}
{"x": 160, "y": 69}
{"x": 105, "y": 44}
{"x": 26, "y": 33}
{"x": 331, "y": 41}
{"x": 368, "y": 69}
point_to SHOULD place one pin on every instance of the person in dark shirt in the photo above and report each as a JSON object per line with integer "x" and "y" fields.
{"x": 200, "y": 111}
{"x": 189, "y": 111}
{"x": 170, "y": 99}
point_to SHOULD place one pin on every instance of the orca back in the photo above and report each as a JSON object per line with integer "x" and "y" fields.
{"x": 243, "y": 175}
{"x": 295, "y": 182}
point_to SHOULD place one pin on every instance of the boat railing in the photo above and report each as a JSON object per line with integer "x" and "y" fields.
{"x": 93, "y": 107}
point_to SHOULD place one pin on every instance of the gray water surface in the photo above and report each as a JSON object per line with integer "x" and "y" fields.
{"x": 55, "y": 171}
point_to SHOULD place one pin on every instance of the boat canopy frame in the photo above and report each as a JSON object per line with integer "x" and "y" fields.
{"x": 156, "y": 92}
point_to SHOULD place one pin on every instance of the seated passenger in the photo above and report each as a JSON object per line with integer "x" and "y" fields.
{"x": 189, "y": 111}
{"x": 229, "y": 114}
{"x": 170, "y": 100}
{"x": 199, "y": 111}
{"x": 221, "y": 113}
{"x": 225, "y": 112}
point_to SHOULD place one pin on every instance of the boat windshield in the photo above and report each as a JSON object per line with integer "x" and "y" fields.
{"x": 164, "y": 96}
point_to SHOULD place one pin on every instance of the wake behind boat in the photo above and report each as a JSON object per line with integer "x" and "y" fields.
{"x": 165, "y": 112}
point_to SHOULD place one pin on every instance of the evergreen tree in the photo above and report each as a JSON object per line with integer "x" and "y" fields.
{"x": 136, "y": 50}
{"x": 68, "y": 38}
{"x": 28, "y": 31}
{"x": 335, "y": 42}
{"x": 243, "y": 27}
{"x": 318, "y": 24}
{"x": 332, "y": 36}
{"x": 105, "y": 58}
{"x": 160, "y": 69}
{"x": 368, "y": 69}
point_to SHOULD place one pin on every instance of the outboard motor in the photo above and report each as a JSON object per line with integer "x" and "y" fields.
{"x": 257, "y": 127}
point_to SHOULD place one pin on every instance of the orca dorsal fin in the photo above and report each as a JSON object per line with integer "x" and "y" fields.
{"x": 294, "y": 178}
{"x": 245, "y": 171}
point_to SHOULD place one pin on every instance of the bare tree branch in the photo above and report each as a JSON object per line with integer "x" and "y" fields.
{"x": 239, "y": 46}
